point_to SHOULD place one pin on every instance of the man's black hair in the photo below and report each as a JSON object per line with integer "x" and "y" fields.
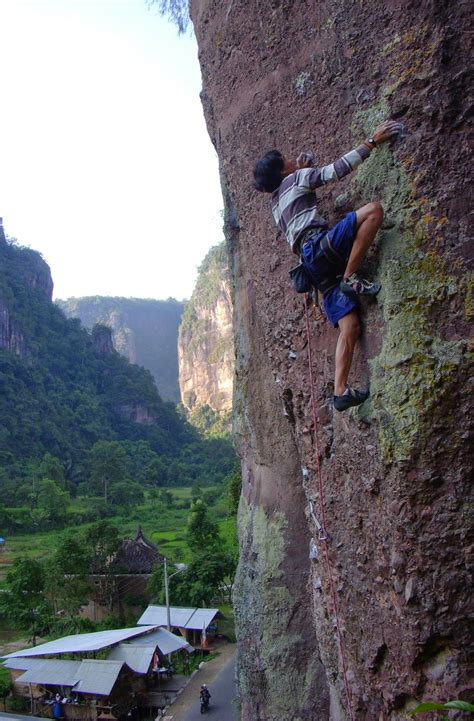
{"x": 267, "y": 172}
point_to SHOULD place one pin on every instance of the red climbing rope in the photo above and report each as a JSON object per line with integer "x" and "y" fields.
{"x": 324, "y": 535}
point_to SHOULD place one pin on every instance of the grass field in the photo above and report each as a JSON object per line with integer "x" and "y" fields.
{"x": 164, "y": 526}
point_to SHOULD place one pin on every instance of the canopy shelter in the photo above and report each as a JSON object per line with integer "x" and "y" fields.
{"x": 90, "y": 676}
{"x": 83, "y": 642}
{"x": 193, "y": 619}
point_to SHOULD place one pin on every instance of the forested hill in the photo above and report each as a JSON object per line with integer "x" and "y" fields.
{"x": 144, "y": 330}
{"x": 64, "y": 390}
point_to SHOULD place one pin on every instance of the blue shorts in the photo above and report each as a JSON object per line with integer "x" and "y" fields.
{"x": 323, "y": 268}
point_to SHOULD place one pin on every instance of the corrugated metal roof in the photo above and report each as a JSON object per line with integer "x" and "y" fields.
{"x": 201, "y": 618}
{"x": 55, "y": 672}
{"x": 138, "y": 658}
{"x": 178, "y": 616}
{"x": 97, "y": 677}
{"x": 22, "y": 664}
{"x": 82, "y": 642}
{"x": 87, "y": 676}
{"x": 166, "y": 641}
{"x": 192, "y": 618}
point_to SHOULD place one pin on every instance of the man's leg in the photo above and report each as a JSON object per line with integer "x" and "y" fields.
{"x": 349, "y": 328}
{"x": 369, "y": 220}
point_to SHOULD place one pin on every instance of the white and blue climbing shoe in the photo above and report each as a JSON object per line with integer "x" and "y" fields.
{"x": 355, "y": 285}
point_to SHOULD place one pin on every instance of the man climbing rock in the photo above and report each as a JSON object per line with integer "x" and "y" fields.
{"x": 331, "y": 256}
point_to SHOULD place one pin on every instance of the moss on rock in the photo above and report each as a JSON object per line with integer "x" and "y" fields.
{"x": 264, "y": 608}
{"x": 415, "y": 364}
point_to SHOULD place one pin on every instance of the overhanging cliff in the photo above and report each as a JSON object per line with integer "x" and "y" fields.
{"x": 321, "y": 76}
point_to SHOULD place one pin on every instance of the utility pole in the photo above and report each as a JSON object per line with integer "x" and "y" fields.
{"x": 167, "y": 596}
{"x": 181, "y": 567}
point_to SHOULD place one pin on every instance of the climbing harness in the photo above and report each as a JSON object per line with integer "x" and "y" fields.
{"x": 321, "y": 525}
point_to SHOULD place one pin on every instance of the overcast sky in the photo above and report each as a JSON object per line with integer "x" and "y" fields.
{"x": 106, "y": 165}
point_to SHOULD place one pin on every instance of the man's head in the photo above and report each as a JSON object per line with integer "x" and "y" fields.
{"x": 270, "y": 171}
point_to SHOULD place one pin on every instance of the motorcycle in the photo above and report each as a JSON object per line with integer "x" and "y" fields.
{"x": 204, "y": 704}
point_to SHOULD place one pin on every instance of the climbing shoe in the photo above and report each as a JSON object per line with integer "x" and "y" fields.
{"x": 354, "y": 285}
{"x": 350, "y": 398}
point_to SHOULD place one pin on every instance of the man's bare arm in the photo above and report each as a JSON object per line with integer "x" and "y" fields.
{"x": 351, "y": 160}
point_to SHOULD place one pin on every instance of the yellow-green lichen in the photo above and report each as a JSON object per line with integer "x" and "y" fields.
{"x": 264, "y": 608}
{"x": 414, "y": 364}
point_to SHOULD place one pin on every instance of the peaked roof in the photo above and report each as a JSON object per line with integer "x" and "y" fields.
{"x": 164, "y": 640}
{"x": 97, "y": 677}
{"x": 137, "y": 555}
{"x": 138, "y": 658}
{"x": 43, "y": 670}
{"x": 87, "y": 676}
{"x": 82, "y": 642}
{"x": 191, "y": 618}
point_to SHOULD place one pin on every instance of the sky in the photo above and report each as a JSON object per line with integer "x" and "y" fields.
{"x": 106, "y": 166}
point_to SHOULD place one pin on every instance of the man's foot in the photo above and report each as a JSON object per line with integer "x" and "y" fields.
{"x": 350, "y": 398}
{"x": 354, "y": 285}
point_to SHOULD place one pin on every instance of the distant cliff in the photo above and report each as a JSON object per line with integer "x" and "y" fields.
{"x": 143, "y": 330}
{"x": 33, "y": 276}
{"x": 62, "y": 388}
{"x": 205, "y": 344}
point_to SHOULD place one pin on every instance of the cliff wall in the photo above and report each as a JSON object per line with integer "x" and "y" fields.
{"x": 205, "y": 341}
{"x": 320, "y": 76}
{"x": 33, "y": 276}
{"x": 144, "y": 330}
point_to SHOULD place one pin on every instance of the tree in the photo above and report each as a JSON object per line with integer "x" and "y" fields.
{"x": 108, "y": 465}
{"x": 102, "y": 540}
{"x": 52, "y": 500}
{"x": 156, "y": 472}
{"x": 67, "y": 579}
{"x": 202, "y": 531}
{"x": 125, "y": 493}
{"x": 206, "y": 576}
{"x": 51, "y": 467}
{"x": 177, "y": 11}
{"x": 23, "y": 601}
{"x": 234, "y": 489}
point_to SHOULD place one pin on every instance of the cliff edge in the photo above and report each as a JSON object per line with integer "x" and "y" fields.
{"x": 297, "y": 76}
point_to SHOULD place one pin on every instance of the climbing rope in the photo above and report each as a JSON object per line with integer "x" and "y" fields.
{"x": 323, "y": 533}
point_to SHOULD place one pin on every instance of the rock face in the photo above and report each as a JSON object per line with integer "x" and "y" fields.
{"x": 143, "y": 330}
{"x": 35, "y": 276}
{"x": 205, "y": 341}
{"x": 395, "y": 474}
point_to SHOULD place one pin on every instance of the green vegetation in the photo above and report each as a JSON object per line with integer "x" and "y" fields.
{"x": 78, "y": 420}
{"x": 35, "y": 600}
{"x": 449, "y": 706}
{"x": 143, "y": 329}
{"x": 211, "y": 272}
{"x": 414, "y": 362}
{"x": 212, "y": 561}
{"x": 87, "y": 444}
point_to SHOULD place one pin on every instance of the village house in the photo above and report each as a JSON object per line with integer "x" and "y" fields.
{"x": 196, "y": 625}
{"x": 123, "y": 586}
{"x": 101, "y": 675}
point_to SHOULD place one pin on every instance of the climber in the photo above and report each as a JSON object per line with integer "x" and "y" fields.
{"x": 331, "y": 256}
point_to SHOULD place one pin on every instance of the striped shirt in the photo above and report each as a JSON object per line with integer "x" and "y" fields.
{"x": 294, "y": 204}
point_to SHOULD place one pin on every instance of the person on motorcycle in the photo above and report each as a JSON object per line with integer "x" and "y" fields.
{"x": 204, "y": 695}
